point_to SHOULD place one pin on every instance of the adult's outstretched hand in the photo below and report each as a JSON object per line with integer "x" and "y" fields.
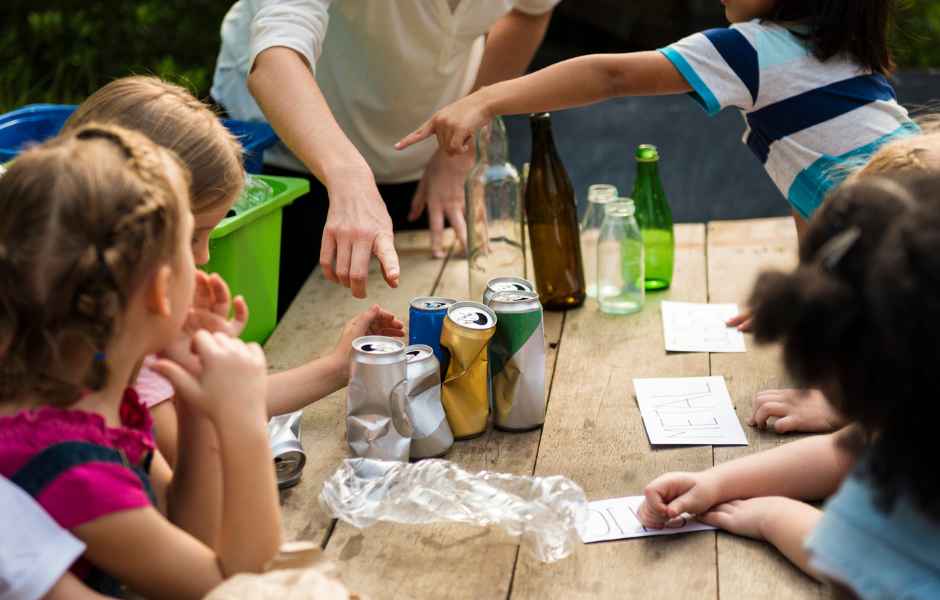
{"x": 357, "y": 226}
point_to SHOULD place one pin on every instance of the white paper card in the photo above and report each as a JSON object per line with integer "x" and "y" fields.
{"x": 691, "y": 327}
{"x": 615, "y": 519}
{"x": 689, "y": 410}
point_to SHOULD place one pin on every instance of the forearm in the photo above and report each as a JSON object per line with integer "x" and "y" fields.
{"x": 289, "y": 391}
{"x": 786, "y": 529}
{"x": 807, "y": 469}
{"x": 285, "y": 89}
{"x": 586, "y": 80}
{"x": 195, "y": 494}
{"x": 510, "y": 46}
{"x": 250, "y": 532}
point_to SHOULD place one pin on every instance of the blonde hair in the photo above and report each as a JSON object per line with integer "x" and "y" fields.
{"x": 170, "y": 116}
{"x": 87, "y": 216}
{"x": 916, "y": 155}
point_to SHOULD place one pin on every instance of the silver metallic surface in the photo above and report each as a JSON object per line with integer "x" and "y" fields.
{"x": 506, "y": 284}
{"x": 432, "y": 436}
{"x": 433, "y": 303}
{"x": 376, "y": 423}
{"x": 284, "y": 433}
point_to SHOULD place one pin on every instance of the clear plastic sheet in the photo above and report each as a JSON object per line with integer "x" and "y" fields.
{"x": 255, "y": 191}
{"x": 545, "y": 513}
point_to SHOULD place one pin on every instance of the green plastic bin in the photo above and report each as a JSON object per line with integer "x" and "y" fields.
{"x": 246, "y": 251}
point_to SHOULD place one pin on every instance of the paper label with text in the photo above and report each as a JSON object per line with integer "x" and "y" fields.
{"x": 690, "y": 411}
{"x": 615, "y": 519}
{"x": 691, "y": 327}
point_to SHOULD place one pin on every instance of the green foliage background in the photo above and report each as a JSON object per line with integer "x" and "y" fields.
{"x": 62, "y": 51}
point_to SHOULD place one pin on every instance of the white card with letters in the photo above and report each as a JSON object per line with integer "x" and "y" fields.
{"x": 691, "y": 327}
{"x": 689, "y": 410}
{"x": 615, "y": 519}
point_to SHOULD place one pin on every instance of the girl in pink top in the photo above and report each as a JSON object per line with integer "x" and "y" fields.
{"x": 96, "y": 272}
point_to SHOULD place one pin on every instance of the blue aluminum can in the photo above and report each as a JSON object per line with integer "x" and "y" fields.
{"x": 426, "y": 320}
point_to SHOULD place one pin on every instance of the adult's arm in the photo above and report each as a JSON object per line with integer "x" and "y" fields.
{"x": 358, "y": 224}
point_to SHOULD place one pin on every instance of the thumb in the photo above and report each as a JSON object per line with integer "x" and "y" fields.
{"x": 360, "y": 323}
{"x": 691, "y": 502}
{"x": 183, "y": 382}
{"x": 422, "y": 133}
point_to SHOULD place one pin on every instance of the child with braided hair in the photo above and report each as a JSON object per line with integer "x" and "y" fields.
{"x": 96, "y": 272}
{"x": 169, "y": 115}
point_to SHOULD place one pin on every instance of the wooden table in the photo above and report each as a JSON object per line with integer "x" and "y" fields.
{"x": 593, "y": 434}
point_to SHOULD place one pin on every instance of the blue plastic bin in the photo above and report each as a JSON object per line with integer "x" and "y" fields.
{"x": 36, "y": 123}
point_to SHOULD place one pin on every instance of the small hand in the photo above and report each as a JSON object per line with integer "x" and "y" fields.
{"x": 442, "y": 189}
{"x": 209, "y": 311}
{"x": 745, "y": 517}
{"x": 357, "y": 226}
{"x": 743, "y": 321}
{"x": 796, "y": 410}
{"x": 231, "y": 380}
{"x": 372, "y": 321}
{"x": 672, "y": 494}
{"x": 455, "y": 125}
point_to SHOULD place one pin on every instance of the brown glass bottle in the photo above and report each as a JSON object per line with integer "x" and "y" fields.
{"x": 552, "y": 213}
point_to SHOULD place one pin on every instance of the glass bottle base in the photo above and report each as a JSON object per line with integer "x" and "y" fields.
{"x": 620, "y": 308}
{"x": 656, "y": 284}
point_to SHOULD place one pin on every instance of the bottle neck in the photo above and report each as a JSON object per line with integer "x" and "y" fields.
{"x": 647, "y": 168}
{"x": 493, "y": 143}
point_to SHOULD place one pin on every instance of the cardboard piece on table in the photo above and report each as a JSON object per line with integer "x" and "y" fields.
{"x": 693, "y": 327}
{"x": 615, "y": 519}
{"x": 689, "y": 410}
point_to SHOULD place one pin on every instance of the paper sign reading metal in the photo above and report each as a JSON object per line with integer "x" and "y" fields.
{"x": 691, "y": 327}
{"x": 615, "y": 519}
{"x": 689, "y": 411}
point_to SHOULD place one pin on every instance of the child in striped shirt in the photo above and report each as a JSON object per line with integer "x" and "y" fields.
{"x": 808, "y": 77}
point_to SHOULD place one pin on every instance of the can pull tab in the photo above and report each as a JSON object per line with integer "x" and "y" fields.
{"x": 400, "y": 418}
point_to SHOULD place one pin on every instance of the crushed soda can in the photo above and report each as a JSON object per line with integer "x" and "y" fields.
{"x": 431, "y": 437}
{"x": 465, "y": 389}
{"x": 506, "y": 284}
{"x": 284, "y": 433}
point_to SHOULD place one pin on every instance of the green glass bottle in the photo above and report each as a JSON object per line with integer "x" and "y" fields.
{"x": 654, "y": 219}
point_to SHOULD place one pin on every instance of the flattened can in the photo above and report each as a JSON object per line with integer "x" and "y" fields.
{"x": 376, "y": 423}
{"x": 425, "y": 321}
{"x": 284, "y": 433}
{"x": 464, "y": 392}
{"x": 431, "y": 436}
{"x": 517, "y": 361}
{"x": 506, "y": 284}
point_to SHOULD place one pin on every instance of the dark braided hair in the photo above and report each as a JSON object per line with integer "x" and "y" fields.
{"x": 860, "y": 319}
{"x": 87, "y": 216}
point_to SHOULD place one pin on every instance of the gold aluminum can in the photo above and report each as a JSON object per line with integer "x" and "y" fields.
{"x": 465, "y": 390}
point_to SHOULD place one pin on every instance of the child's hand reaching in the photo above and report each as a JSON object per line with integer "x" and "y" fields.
{"x": 672, "y": 494}
{"x": 455, "y": 125}
{"x": 230, "y": 379}
{"x": 210, "y": 311}
{"x": 372, "y": 321}
{"x": 796, "y": 410}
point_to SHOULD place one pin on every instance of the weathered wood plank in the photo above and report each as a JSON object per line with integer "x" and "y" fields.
{"x": 595, "y": 435}
{"x": 310, "y": 330}
{"x": 446, "y": 560}
{"x": 738, "y": 251}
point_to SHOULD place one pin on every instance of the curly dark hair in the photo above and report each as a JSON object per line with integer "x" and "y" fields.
{"x": 859, "y": 319}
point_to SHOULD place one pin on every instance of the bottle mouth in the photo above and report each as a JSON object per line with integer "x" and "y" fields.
{"x": 646, "y": 153}
{"x": 602, "y": 193}
{"x": 621, "y": 207}
{"x": 539, "y": 117}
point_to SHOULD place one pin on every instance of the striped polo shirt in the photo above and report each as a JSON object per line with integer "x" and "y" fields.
{"x": 809, "y": 122}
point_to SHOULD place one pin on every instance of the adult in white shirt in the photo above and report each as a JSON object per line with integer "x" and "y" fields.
{"x": 341, "y": 81}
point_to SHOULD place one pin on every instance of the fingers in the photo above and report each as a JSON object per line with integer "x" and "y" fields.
{"x": 359, "y": 267}
{"x": 384, "y": 248}
{"x": 459, "y": 223}
{"x": 240, "y": 318}
{"x": 418, "y": 201}
{"x": 650, "y": 517}
{"x": 203, "y": 299}
{"x": 436, "y": 221}
{"x": 741, "y": 321}
{"x": 770, "y": 409}
{"x": 422, "y": 133}
{"x": 344, "y": 252}
{"x": 761, "y": 399}
{"x": 221, "y": 295}
{"x": 183, "y": 382}
{"x": 327, "y": 254}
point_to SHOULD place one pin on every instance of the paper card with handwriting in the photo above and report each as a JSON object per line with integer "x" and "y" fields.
{"x": 615, "y": 519}
{"x": 691, "y": 327}
{"x": 689, "y": 410}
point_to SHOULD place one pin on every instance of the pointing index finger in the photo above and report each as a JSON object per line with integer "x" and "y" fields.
{"x": 422, "y": 133}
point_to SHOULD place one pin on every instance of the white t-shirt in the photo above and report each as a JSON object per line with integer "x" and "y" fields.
{"x": 34, "y": 551}
{"x": 384, "y": 67}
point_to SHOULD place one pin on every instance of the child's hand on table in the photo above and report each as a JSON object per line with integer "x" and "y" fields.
{"x": 371, "y": 321}
{"x": 210, "y": 311}
{"x": 796, "y": 410}
{"x": 746, "y": 517}
{"x": 743, "y": 321}
{"x": 672, "y": 494}
{"x": 454, "y": 125}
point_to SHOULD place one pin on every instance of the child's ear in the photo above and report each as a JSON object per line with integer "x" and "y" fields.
{"x": 157, "y": 292}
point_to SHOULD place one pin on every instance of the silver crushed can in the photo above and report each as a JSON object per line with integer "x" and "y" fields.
{"x": 284, "y": 434}
{"x": 431, "y": 437}
{"x": 376, "y": 423}
{"x": 517, "y": 361}
{"x": 506, "y": 284}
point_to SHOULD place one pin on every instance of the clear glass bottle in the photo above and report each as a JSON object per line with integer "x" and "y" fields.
{"x": 598, "y": 196}
{"x": 620, "y": 260}
{"x": 654, "y": 219}
{"x": 495, "y": 231}
{"x": 552, "y": 216}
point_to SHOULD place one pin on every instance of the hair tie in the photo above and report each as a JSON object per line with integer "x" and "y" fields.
{"x": 830, "y": 253}
{"x": 99, "y": 356}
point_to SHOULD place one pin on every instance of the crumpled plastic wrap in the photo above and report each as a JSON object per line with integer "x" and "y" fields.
{"x": 545, "y": 513}
{"x": 255, "y": 191}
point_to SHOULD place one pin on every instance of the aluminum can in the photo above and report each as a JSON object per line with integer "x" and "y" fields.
{"x": 431, "y": 436}
{"x": 517, "y": 361}
{"x": 376, "y": 423}
{"x": 464, "y": 392}
{"x": 425, "y": 321}
{"x": 506, "y": 284}
{"x": 284, "y": 434}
